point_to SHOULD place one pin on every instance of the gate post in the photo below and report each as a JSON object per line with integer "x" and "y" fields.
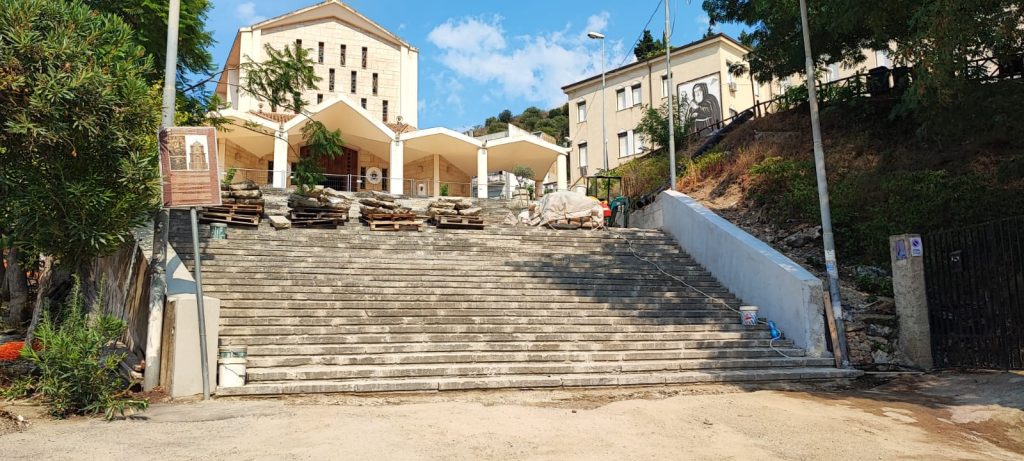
{"x": 908, "y": 282}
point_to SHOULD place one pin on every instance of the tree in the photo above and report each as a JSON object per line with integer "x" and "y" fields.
{"x": 78, "y": 161}
{"x": 280, "y": 81}
{"x": 648, "y": 47}
{"x": 505, "y": 116}
{"x": 654, "y": 124}
{"x": 938, "y": 37}
{"x": 148, "y": 21}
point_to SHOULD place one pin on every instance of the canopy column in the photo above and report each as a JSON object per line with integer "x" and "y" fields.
{"x": 561, "y": 170}
{"x": 481, "y": 172}
{"x": 280, "y": 173}
{"x": 397, "y": 167}
{"x": 437, "y": 175}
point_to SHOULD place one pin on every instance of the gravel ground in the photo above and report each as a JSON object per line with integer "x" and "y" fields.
{"x": 932, "y": 417}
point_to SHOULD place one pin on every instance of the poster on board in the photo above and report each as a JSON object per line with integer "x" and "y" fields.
{"x": 703, "y": 100}
{"x": 189, "y": 167}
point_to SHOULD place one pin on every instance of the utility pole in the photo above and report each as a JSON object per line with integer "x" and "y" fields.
{"x": 831, "y": 265}
{"x": 158, "y": 264}
{"x": 671, "y": 109}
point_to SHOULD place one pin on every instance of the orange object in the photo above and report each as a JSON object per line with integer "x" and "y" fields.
{"x": 607, "y": 210}
{"x": 11, "y": 351}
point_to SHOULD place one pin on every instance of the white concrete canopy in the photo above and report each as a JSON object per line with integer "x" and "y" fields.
{"x": 362, "y": 130}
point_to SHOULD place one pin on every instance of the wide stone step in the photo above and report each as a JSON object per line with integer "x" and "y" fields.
{"x": 759, "y": 375}
{"x": 581, "y": 263}
{"x": 228, "y": 282}
{"x": 443, "y": 272}
{"x": 677, "y": 325}
{"x": 261, "y": 362}
{"x": 651, "y": 298}
{"x": 330, "y": 349}
{"x": 341, "y": 291}
{"x": 341, "y": 372}
{"x": 631, "y": 304}
{"x": 446, "y": 246}
{"x": 446, "y": 277}
{"x": 694, "y": 332}
{"x": 235, "y": 317}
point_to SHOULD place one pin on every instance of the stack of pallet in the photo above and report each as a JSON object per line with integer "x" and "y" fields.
{"x": 455, "y": 213}
{"x": 382, "y": 212}
{"x": 320, "y": 208}
{"x": 241, "y": 204}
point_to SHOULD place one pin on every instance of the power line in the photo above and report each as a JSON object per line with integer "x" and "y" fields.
{"x": 637, "y": 42}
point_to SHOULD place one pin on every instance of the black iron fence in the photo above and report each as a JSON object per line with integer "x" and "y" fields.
{"x": 975, "y": 287}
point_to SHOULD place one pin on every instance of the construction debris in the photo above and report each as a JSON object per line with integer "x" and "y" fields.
{"x": 455, "y": 213}
{"x": 382, "y": 212}
{"x": 241, "y": 204}
{"x": 321, "y": 208}
{"x": 564, "y": 210}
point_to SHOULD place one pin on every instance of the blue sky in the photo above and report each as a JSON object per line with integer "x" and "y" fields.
{"x": 480, "y": 57}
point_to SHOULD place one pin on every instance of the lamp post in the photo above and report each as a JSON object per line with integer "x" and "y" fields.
{"x": 671, "y": 115}
{"x": 831, "y": 266}
{"x": 604, "y": 117}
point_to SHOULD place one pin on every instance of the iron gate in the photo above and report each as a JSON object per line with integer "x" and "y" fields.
{"x": 975, "y": 287}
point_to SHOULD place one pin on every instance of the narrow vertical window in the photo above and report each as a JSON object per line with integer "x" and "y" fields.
{"x": 624, "y": 144}
{"x": 583, "y": 154}
{"x": 319, "y": 98}
{"x": 374, "y": 84}
{"x": 637, "y": 95}
{"x": 330, "y": 80}
{"x": 298, "y": 43}
{"x": 664, "y": 86}
{"x": 365, "y": 53}
{"x": 353, "y": 81}
{"x": 362, "y": 102}
{"x": 385, "y": 111}
{"x": 581, "y": 112}
{"x": 320, "y": 53}
{"x": 344, "y": 49}
{"x": 620, "y": 99}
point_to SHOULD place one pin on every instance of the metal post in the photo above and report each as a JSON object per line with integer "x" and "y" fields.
{"x": 158, "y": 264}
{"x": 604, "y": 108}
{"x": 826, "y": 215}
{"x": 204, "y": 360}
{"x": 671, "y": 90}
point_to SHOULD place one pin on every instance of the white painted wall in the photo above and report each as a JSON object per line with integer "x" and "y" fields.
{"x": 754, "y": 271}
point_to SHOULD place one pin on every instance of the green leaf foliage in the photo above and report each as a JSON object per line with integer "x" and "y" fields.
{"x": 78, "y": 124}
{"x": 76, "y": 364}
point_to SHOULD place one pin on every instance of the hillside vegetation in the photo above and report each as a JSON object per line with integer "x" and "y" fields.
{"x": 885, "y": 176}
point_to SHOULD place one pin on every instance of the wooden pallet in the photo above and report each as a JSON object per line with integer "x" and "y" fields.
{"x": 459, "y": 222}
{"x": 395, "y": 225}
{"x": 321, "y": 218}
{"x": 389, "y": 217}
{"x": 230, "y": 218}
{"x": 237, "y": 208}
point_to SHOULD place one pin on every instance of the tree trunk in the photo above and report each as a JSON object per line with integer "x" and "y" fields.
{"x": 43, "y": 289}
{"x": 17, "y": 285}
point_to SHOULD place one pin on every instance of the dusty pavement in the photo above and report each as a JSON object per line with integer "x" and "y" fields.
{"x": 936, "y": 417}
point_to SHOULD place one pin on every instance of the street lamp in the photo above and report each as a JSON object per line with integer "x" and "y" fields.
{"x": 604, "y": 124}
{"x": 831, "y": 266}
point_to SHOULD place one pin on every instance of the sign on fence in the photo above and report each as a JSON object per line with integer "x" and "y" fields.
{"x": 189, "y": 168}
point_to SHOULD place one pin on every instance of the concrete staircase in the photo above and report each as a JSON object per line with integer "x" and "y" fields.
{"x": 352, "y": 310}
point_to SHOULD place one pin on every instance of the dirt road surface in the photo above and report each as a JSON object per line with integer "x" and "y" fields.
{"x": 935, "y": 417}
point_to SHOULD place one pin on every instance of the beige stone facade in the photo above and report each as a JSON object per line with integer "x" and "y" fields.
{"x": 631, "y": 88}
{"x": 354, "y": 57}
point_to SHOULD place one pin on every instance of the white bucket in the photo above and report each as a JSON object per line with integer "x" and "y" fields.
{"x": 231, "y": 366}
{"x": 748, "y": 315}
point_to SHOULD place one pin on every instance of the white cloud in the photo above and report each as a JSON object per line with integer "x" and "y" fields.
{"x": 530, "y": 67}
{"x": 246, "y": 12}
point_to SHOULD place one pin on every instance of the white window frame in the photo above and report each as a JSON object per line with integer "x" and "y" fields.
{"x": 584, "y": 152}
{"x": 623, "y": 142}
{"x": 638, "y": 95}
{"x": 621, "y": 101}
{"x": 581, "y": 112}
{"x": 664, "y": 86}
{"x": 833, "y": 72}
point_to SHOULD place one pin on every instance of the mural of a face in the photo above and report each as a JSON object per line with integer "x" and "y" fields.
{"x": 698, "y": 93}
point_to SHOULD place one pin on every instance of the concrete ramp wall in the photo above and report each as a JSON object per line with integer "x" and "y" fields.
{"x": 785, "y": 292}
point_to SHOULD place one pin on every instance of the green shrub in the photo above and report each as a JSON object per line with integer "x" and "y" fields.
{"x": 76, "y": 365}
{"x": 788, "y": 188}
{"x": 229, "y": 177}
{"x": 444, "y": 190}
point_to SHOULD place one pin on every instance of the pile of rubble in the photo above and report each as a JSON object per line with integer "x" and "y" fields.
{"x": 380, "y": 203}
{"x": 243, "y": 193}
{"x": 450, "y": 206}
{"x": 320, "y": 198}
